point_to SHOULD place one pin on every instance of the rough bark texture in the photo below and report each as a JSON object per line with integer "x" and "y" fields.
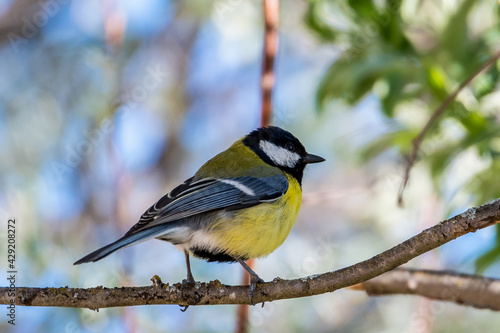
{"x": 215, "y": 293}
{"x": 471, "y": 290}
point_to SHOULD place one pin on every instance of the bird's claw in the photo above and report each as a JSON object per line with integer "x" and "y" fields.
{"x": 254, "y": 280}
{"x": 183, "y": 285}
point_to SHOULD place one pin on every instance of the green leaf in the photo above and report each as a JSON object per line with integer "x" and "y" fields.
{"x": 396, "y": 82}
{"x": 401, "y": 139}
{"x": 475, "y": 123}
{"x": 352, "y": 76}
{"x": 314, "y": 21}
{"x": 486, "y": 83}
{"x": 392, "y": 30}
{"x": 437, "y": 81}
{"x": 455, "y": 37}
{"x": 364, "y": 9}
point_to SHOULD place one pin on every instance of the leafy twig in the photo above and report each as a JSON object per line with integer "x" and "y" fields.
{"x": 439, "y": 111}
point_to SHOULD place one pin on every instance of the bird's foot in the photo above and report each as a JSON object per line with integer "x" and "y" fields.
{"x": 254, "y": 280}
{"x": 189, "y": 280}
{"x": 183, "y": 285}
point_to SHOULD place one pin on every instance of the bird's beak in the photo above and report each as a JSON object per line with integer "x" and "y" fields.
{"x": 310, "y": 158}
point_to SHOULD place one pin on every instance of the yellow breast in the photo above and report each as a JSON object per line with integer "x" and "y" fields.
{"x": 257, "y": 231}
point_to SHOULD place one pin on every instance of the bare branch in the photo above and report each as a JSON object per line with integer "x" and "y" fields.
{"x": 472, "y": 290}
{"x": 215, "y": 293}
{"x": 439, "y": 111}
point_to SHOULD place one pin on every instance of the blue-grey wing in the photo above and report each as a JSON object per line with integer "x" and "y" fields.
{"x": 209, "y": 194}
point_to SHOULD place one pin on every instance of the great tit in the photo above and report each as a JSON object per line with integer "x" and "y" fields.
{"x": 239, "y": 205}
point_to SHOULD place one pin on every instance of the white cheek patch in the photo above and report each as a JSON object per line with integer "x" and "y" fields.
{"x": 279, "y": 155}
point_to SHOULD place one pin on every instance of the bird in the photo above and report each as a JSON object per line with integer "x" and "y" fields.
{"x": 241, "y": 204}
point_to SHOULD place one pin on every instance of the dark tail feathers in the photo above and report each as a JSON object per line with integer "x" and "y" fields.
{"x": 127, "y": 240}
{"x": 104, "y": 251}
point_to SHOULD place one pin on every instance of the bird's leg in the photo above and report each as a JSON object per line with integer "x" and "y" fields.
{"x": 190, "y": 278}
{"x": 254, "y": 278}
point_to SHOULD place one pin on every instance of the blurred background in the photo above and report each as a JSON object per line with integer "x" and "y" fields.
{"x": 107, "y": 105}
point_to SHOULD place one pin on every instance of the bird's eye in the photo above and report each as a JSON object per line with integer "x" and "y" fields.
{"x": 290, "y": 147}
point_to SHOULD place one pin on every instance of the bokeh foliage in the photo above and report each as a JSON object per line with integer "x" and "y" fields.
{"x": 412, "y": 58}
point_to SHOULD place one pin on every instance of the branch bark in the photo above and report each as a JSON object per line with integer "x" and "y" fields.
{"x": 215, "y": 293}
{"x": 472, "y": 290}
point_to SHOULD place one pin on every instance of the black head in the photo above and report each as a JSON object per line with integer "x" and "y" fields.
{"x": 281, "y": 149}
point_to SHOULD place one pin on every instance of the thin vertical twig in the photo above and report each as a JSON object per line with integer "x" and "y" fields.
{"x": 115, "y": 23}
{"x": 271, "y": 18}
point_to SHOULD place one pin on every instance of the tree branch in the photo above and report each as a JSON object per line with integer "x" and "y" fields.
{"x": 472, "y": 290}
{"x": 215, "y": 293}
